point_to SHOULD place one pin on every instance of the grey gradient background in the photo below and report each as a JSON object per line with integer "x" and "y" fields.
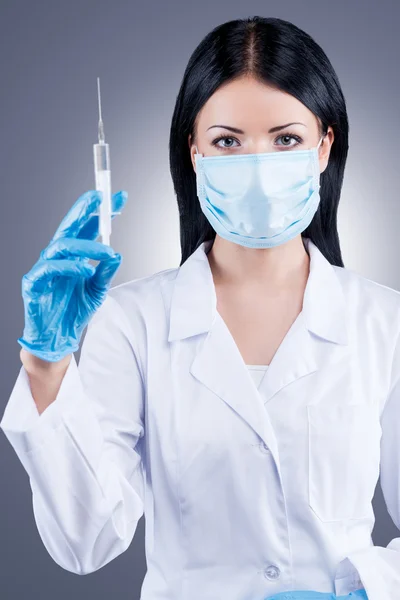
{"x": 51, "y": 53}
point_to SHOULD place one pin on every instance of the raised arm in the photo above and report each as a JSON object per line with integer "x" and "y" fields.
{"x": 82, "y": 453}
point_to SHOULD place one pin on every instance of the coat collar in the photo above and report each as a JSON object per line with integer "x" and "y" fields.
{"x": 193, "y": 304}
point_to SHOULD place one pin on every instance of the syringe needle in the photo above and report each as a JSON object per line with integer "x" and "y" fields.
{"x": 101, "y": 126}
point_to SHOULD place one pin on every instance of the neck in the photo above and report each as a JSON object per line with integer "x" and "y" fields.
{"x": 281, "y": 267}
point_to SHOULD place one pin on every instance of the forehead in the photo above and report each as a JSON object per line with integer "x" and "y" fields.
{"x": 247, "y": 103}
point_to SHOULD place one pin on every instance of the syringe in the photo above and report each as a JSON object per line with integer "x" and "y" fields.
{"x": 102, "y": 174}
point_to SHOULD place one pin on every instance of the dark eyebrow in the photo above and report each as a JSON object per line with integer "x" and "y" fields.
{"x": 272, "y": 130}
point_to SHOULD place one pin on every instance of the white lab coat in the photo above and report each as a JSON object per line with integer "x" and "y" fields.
{"x": 246, "y": 492}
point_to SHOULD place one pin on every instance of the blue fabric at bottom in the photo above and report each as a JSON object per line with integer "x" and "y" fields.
{"x": 360, "y": 594}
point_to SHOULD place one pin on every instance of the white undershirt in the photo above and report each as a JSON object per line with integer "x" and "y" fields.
{"x": 257, "y": 372}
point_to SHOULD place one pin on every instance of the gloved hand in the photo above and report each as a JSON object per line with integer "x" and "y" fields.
{"x": 62, "y": 290}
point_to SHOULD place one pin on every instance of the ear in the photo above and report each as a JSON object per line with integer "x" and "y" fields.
{"x": 192, "y": 151}
{"x": 325, "y": 149}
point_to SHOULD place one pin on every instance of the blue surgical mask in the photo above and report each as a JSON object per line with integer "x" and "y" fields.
{"x": 259, "y": 200}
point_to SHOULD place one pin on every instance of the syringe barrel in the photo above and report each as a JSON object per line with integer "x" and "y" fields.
{"x": 101, "y": 157}
{"x": 103, "y": 184}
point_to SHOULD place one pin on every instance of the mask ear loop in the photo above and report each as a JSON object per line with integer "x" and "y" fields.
{"x": 197, "y": 150}
{"x": 319, "y": 143}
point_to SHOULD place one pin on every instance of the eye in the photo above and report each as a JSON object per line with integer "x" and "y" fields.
{"x": 286, "y": 137}
{"x": 223, "y": 137}
{"x": 290, "y": 136}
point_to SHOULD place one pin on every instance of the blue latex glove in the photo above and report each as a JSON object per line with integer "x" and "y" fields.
{"x": 62, "y": 290}
{"x": 360, "y": 594}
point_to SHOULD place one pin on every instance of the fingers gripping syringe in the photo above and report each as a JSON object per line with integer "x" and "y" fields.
{"x": 102, "y": 174}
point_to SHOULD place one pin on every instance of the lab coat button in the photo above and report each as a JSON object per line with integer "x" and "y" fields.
{"x": 264, "y": 448}
{"x": 272, "y": 572}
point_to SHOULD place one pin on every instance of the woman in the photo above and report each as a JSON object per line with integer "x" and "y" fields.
{"x": 245, "y": 401}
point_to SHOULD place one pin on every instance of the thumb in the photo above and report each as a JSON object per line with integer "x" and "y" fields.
{"x": 104, "y": 272}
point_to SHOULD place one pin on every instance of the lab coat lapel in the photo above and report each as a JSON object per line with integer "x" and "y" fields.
{"x": 323, "y": 317}
{"x": 218, "y": 364}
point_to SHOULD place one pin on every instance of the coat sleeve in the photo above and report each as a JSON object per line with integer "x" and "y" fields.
{"x": 82, "y": 453}
{"x": 379, "y": 567}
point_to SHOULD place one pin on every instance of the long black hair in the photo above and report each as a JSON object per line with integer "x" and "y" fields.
{"x": 278, "y": 53}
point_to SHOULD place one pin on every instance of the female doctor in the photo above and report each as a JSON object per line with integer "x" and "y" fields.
{"x": 245, "y": 402}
